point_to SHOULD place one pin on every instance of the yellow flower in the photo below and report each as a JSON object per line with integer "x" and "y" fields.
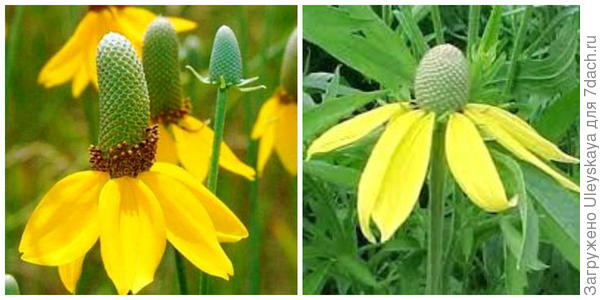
{"x": 76, "y": 60}
{"x": 189, "y": 142}
{"x": 276, "y": 128}
{"x": 392, "y": 179}
{"x": 132, "y": 205}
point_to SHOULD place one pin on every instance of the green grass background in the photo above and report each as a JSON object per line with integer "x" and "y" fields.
{"x": 47, "y": 136}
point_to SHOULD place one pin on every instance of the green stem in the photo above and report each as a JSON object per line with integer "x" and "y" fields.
{"x": 436, "y": 213}
{"x": 520, "y": 38}
{"x": 437, "y": 24}
{"x": 214, "y": 162}
{"x": 255, "y": 226}
{"x": 473, "y": 33}
{"x": 218, "y": 138}
{"x": 180, "y": 266}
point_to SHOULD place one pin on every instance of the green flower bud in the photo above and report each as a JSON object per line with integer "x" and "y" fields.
{"x": 441, "y": 82}
{"x": 124, "y": 104}
{"x": 161, "y": 67}
{"x": 289, "y": 69}
{"x": 225, "y": 59}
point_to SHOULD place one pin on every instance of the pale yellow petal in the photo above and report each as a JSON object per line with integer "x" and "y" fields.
{"x": 64, "y": 224}
{"x": 133, "y": 235}
{"x": 229, "y": 228}
{"x": 286, "y": 141}
{"x": 194, "y": 147}
{"x": 189, "y": 227}
{"x": 353, "y": 129}
{"x": 471, "y": 165}
{"x": 266, "y": 116}
{"x": 70, "y": 273}
{"x": 165, "y": 147}
{"x": 373, "y": 175}
{"x": 490, "y": 125}
{"x": 523, "y": 133}
{"x": 404, "y": 177}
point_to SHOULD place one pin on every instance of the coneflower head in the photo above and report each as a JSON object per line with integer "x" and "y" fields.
{"x": 225, "y": 59}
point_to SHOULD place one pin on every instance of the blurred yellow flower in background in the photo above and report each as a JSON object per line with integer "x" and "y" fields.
{"x": 76, "y": 60}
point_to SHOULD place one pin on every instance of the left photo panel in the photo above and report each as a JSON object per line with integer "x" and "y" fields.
{"x": 151, "y": 150}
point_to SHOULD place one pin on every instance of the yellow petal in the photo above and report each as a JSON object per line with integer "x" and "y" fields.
{"x": 404, "y": 177}
{"x": 286, "y": 134}
{"x": 373, "y": 175}
{"x": 70, "y": 273}
{"x": 472, "y": 166}
{"x": 194, "y": 146}
{"x": 132, "y": 236}
{"x": 353, "y": 129}
{"x": 522, "y": 132}
{"x": 509, "y": 142}
{"x": 265, "y": 148}
{"x": 69, "y": 60}
{"x": 266, "y": 116}
{"x": 80, "y": 81}
{"x": 189, "y": 226}
{"x": 65, "y": 224}
{"x": 229, "y": 228}
{"x": 181, "y": 24}
{"x": 165, "y": 148}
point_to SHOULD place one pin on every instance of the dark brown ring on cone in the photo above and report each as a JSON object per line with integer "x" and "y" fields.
{"x": 125, "y": 160}
{"x": 174, "y": 116}
{"x": 285, "y": 97}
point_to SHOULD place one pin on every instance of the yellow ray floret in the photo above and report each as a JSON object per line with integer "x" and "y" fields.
{"x": 506, "y": 139}
{"x": 70, "y": 273}
{"x": 353, "y": 129}
{"x": 472, "y": 166}
{"x": 76, "y": 60}
{"x": 373, "y": 175}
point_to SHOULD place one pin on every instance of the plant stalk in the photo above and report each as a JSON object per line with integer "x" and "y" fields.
{"x": 436, "y": 212}
{"x": 180, "y": 266}
{"x": 218, "y": 138}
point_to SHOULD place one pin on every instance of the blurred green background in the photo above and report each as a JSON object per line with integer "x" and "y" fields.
{"x": 47, "y": 136}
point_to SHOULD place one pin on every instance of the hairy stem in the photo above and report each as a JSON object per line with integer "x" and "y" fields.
{"x": 218, "y": 138}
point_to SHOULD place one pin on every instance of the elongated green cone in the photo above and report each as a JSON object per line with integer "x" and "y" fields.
{"x": 441, "y": 83}
{"x": 161, "y": 67}
{"x": 289, "y": 69}
{"x": 124, "y": 104}
{"x": 225, "y": 59}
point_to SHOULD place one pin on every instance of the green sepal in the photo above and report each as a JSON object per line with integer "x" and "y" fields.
{"x": 161, "y": 67}
{"x": 124, "y": 103}
{"x": 442, "y": 80}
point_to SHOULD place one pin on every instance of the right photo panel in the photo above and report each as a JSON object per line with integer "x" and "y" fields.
{"x": 440, "y": 150}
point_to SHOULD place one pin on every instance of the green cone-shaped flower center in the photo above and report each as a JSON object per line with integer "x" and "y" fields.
{"x": 161, "y": 67}
{"x": 289, "y": 75}
{"x": 225, "y": 59}
{"x": 126, "y": 144}
{"x": 441, "y": 83}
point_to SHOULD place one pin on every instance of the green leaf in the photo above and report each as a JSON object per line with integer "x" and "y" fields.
{"x": 339, "y": 175}
{"x": 512, "y": 177}
{"x": 357, "y": 269}
{"x": 314, "y": 281}
{"x": 410, "y": 28}
{"x": 11, "y": 287}
{"x": 514, "y": 240}
{"x": 556, "y": 118}
{"x": 356, "y": 36}
{"x": 559, "y": 211}
{"x": 323, "y": 116}
{"x": 516, "y": 278}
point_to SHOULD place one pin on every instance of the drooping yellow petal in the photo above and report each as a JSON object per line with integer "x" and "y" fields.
{"x": 189, "y": 226}
{"x": 373, "y": 175}
{"x": 193, "y": 140}
{"x": 229, "y": 228}
{"x": 132, "y": 235}
{"x": 64, "y": 225}
{"x": 353, "y": 129}
{"x": 70, "y": 273}
{"x": 69, "y": 60}
{"x": 165, "y": 147}
{"x": 490, "y": 125}
{"x": 522, "y": 132}
{"x": 471, "y": 165}
{"x": 266, "y": 116}
{"x": 286, "y": 141}
{"x": 404, "y": 177}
